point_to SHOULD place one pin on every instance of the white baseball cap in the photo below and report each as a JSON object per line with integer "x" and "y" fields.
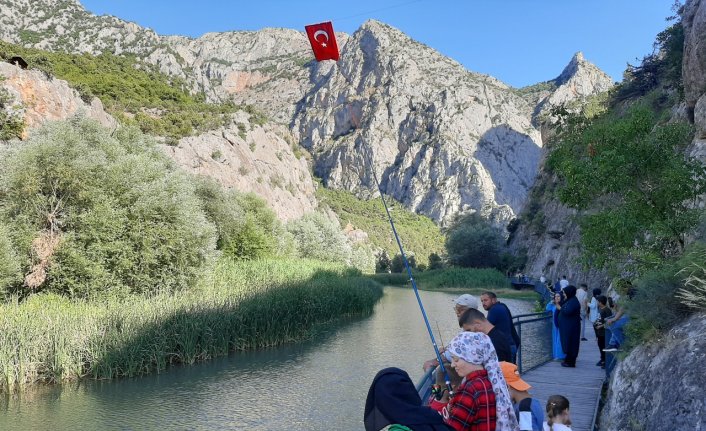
{"x": 467, "y": 300}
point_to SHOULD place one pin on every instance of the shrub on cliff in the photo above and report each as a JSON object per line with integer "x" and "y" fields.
{"x": 318, "y": 237}
{"x": 90, "y": 211}
{"x": 246, "y": 227}
{"x": 9, "y": 265}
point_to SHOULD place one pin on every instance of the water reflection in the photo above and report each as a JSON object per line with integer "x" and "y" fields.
{"x": 309, "y": 386}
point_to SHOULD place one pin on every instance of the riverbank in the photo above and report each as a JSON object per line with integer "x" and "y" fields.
{"x": 240, "y": 306}
{"x": 458, "y": 280}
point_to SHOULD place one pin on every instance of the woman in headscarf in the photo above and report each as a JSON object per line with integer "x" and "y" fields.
{"x": 474, "y": 358}
{"x": 394, "y": 402}
{"x": 557, "y": 353}
{"x": 570, "y": 326}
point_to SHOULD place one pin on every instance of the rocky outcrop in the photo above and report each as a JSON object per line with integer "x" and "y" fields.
{"x": 660, "y": 386}
{"x": 694, "y": 61}
{"x": 245, "y": 156}
{"x": 259, "y": 161}
{"x": 38, "y": 98}
{"x": 440, "y": 138}
{"x": 550, "y": 238}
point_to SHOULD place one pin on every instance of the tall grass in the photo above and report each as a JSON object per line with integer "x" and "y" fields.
{"x": 467, "y": 278}
{"x": 241, "y": 305}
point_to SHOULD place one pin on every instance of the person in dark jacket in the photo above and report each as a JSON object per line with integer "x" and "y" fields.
{"x": 393, "y": 400}
{"x": 570, "y": 326}
{"x": 474, "y": 321}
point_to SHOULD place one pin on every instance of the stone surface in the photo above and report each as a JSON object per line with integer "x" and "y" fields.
{"x": 38, "y": 98}
{"x": 694, "y": 62}
{"x": 440, "y": 138}
{"x": 660, "y": 386}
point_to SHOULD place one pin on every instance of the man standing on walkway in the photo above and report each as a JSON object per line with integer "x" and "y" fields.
{"x": 563, "y": 283}
{"x": 501, "y": 317}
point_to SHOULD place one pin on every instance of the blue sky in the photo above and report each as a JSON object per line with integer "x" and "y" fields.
{"x": 521, "y": 42}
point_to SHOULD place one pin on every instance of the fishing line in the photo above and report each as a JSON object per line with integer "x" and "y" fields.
{"x": 447, "y": 380}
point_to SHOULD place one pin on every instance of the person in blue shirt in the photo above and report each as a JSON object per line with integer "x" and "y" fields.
{"x": 528, "y": 410}
{"x": 557, "y": 352}
{"x": 501, "y": 317}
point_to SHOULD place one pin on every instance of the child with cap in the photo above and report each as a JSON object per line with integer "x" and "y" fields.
{"x": 527, "y": 409}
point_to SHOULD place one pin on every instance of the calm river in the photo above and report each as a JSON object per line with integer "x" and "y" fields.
{"x": 317, "y": 385}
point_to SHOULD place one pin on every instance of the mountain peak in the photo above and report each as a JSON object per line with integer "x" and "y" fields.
{"x": 579, "y": 67}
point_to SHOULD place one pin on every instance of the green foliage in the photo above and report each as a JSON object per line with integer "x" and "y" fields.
{"x": 247, "y": 228}
{"x": 472, "y": 242}
{"x": 450, "y": 278}
{"x": 419, "y": 235}
{"x": 9, "y": 264}
{"x": 658, "y": 301}
{"x": 240, "y": 305}
{"x": 397, "y": 263}
{"x": 435, "y": 261}
{"x": 11, "y": 124}
{"x": 135, "y": 92}
{"x": 101, "y": 211}
{"x": 383, "y": 262}
{"x": 631, "y": 173}
{"x": 318, "y": 237}
{"x": 662, "y": 67}
{"x": 693, "y": 270}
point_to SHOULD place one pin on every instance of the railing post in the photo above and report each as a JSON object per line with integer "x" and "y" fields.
{"x": 519, "y": 348}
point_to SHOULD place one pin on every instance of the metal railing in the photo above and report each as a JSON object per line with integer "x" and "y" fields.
{"x": 535, "y": 331}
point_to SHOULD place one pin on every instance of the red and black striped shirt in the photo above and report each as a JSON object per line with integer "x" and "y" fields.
{"x": 472, "y": 408}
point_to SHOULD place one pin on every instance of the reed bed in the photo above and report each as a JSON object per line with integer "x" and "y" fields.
{"x": 240, "y": 305}
{"x": 449, "y": 278}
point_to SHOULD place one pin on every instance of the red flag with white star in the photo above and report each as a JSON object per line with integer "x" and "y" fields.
{"x": 323, "y": 41}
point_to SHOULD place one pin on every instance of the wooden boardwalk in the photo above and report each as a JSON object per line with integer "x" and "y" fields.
{"x": 581, "y": 385}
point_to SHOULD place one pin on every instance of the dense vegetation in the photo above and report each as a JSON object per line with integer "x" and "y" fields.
{"x": 240, "y": 305}
{"x": 420, "y": 236}
{"x": 637, "y": 192}
{"x": 133, "y": 91}
{"x": 471, "y": 279}
{"x": 11, "y": 123}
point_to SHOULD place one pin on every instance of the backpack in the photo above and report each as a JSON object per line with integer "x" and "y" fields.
{"x": 525, "y": 415}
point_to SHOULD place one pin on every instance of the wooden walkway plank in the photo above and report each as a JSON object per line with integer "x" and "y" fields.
{"x": 581, "y": 385}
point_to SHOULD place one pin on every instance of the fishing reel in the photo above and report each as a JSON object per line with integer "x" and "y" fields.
{"x": 437, "y": 391}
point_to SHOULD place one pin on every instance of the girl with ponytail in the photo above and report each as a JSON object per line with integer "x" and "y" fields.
{"x": 558, "y": 418}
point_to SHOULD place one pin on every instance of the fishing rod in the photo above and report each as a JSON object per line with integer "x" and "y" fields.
{"x": 447, "y": 380}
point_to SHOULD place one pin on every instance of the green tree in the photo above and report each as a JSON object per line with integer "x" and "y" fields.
{"x": 637, "y": 190}
{"x": 435, "y": 261}
{"x": 383, "y": 262}
{"x": 472, "y": 242}
{"x": 318, "y": 237}
{"x": 9, "y": 264}
{"x": 89, "y": 211}
{"x": 397, "y": 264}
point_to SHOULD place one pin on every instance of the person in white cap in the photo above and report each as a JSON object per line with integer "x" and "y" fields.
{"x": 463, "y": 303}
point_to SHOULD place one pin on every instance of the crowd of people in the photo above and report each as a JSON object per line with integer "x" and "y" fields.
{"x": 488, "y": 393}
{"x": 572, "y": 308}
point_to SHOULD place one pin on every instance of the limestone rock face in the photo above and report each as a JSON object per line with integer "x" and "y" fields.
{"x": 439, "y": 138}
{"x": 550, "y": 238}
{"x": 259, "y": 161}
{"x": 38, "y": 98}
{"x": 694, "y": 62}
{"x": 660, "y": 386}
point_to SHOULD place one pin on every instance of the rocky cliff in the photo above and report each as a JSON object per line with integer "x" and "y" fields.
{"x": 245, "y": 156}
{"x": 660, "y": 386}
{"x": 440, "y": 138}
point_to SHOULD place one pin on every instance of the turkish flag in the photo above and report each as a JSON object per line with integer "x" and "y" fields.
{"x": 323, "y": 41}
